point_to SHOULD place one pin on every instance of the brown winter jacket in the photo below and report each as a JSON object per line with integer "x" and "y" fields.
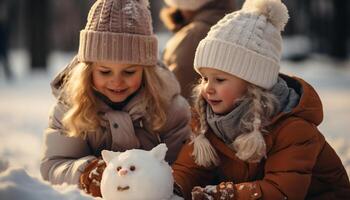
{"x": 180, "y": 49}
{"x": 300, "y": 164}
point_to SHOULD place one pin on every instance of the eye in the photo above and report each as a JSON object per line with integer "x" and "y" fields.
{"x": 119, "y": 168}
{"x": 220, "y": 79}
{"x": 132, "y": 168}
{"x": 131, "y": 72}
{"x": 105, "y": 72}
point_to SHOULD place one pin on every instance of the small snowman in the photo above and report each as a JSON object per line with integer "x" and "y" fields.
{"x": 137, "y": 175}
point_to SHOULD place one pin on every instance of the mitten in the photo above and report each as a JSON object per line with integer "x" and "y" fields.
{"x": 223, "y": 191}
{"x": 90, "y": 179}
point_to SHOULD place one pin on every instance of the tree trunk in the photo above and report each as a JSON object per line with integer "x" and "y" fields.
{"x": 37, "y": 35}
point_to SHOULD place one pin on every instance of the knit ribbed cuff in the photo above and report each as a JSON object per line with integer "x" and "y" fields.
{"x": 236, "y": 60}
{"x": 118, "y": 48}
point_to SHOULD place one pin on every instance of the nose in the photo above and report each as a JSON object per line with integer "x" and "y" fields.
{"x": 208, "y": 88}
{"x": 117, "y": 81}
{"x": 122, "y": 172}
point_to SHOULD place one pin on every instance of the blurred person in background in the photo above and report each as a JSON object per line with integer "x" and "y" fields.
{"x": 190, "y": 20}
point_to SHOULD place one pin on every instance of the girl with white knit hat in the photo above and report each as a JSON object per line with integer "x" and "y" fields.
{"x": 190, "y": 21}
{"x": 256, "y": 134}
{"x": 114, "y": 96}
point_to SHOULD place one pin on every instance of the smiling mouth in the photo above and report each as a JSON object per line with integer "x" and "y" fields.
{"x": 122, "y": 188}
{"x": 117, "y": 91}
{"x": 214, "y": 102}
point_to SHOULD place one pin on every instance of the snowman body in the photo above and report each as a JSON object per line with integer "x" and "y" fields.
{"x": 137, "y": 175}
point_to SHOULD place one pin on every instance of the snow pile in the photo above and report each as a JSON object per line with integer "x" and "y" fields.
{"x": 17, "y": 184}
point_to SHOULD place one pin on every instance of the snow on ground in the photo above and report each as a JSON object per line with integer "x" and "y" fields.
{"x": 15, "y": 183}
{"x": 25, "y": 104}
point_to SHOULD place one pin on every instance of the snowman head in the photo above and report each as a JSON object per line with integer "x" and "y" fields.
{"x": 137, "y": 174}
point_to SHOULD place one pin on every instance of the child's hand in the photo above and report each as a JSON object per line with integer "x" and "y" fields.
{"x": 90, "y": 179}
{"x": 223, "y": 191}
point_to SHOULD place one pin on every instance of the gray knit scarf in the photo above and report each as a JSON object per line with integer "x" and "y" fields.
{"x": 226, "y": 127}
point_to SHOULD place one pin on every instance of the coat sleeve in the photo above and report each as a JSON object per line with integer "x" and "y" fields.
{"x": 176, "y": 131}
{"x": 64, "y": 158}
{"x": 288, "y": 167}
{"x": 188, "y": 174}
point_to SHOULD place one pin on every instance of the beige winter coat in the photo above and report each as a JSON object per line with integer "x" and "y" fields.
{"x": 180, "y": 49}
{"x": 64, "y": 158}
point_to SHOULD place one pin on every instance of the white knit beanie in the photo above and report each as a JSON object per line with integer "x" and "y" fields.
{"x": 187, "y": 4}
{"x": 246, "y": 43}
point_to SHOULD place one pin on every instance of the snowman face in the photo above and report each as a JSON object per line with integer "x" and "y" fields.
{"x": 136, "y": 174}
{"x": 121, "y": 172}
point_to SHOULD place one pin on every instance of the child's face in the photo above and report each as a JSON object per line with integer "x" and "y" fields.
{"x": 221, "y": 90}
{"x": 116, "y": 81}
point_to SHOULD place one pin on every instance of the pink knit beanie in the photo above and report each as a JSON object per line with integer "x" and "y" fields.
{"x": 246, "y": 43}
{"x": 119, "y": 31}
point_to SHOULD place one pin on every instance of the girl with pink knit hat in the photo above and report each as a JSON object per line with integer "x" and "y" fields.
{"x": 256, "y": 135}
{"x": 114, "y": 96}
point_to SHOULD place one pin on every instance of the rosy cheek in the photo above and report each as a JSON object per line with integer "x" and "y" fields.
{"x": 94, "y": 81}
{"x": 203, "y": 94}
{"x": 136, "y": 82}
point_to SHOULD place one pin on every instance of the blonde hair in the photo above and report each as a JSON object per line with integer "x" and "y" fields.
{"x": 249, "y": 145}
{"x": 156, "y": 103}
{"x": 82, "y": 115}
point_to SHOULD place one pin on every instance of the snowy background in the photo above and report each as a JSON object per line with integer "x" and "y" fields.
{"x": 25, "y": 103}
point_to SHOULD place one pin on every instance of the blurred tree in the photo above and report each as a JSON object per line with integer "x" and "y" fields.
{"x": 339, "y": 35}
{"x": 155, "y": 9}
{"x": 37, "y": 20}
{"x": 297, "y": 10}
{"x": 324, "y": 23}
{"x": 329, "y": 22}
{"x": 68, "y": 18}
{"x": 5, "y": 11}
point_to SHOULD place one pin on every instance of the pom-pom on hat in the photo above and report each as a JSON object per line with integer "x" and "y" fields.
{"x": 246, "y": 43}
{"x": 187, "y": 4}
{"x": 119, "y": 31}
